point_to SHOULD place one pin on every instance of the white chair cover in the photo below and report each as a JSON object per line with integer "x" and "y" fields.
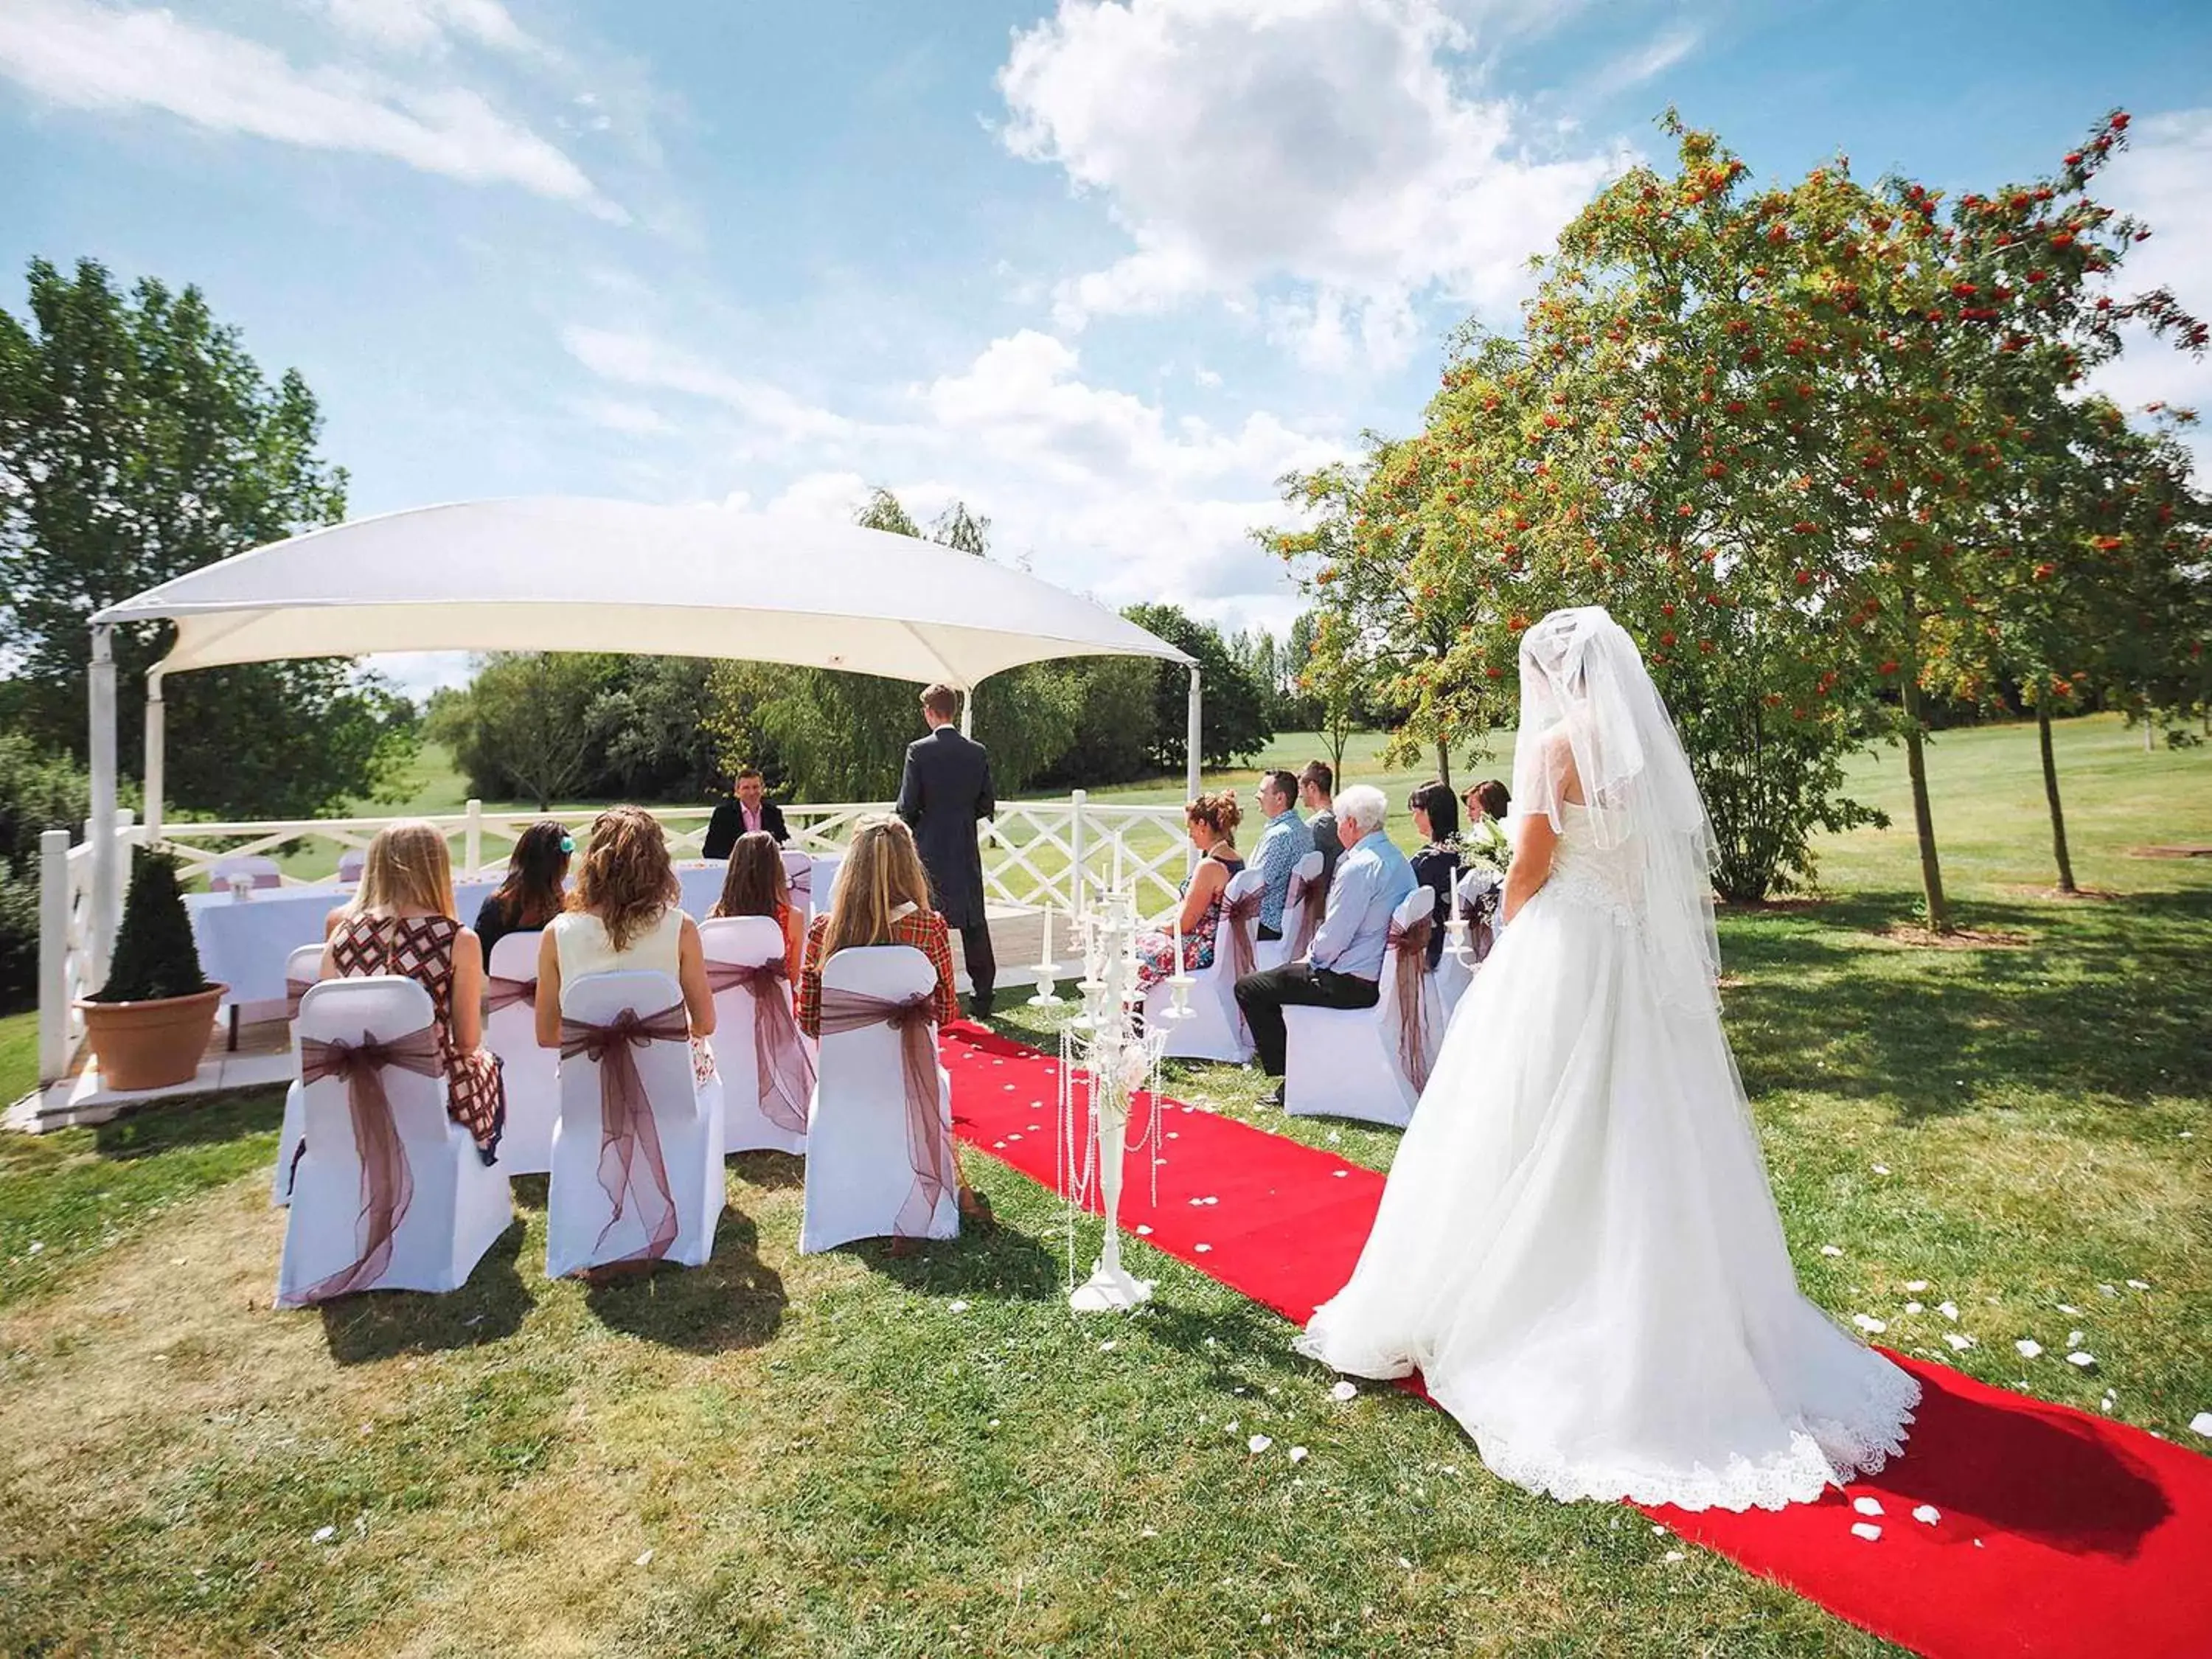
{"x": 753, "y": 942}
{"x": 254, "y": 868}
{"x": 1216, "y": 1030}
{"x": 582, "y": 1228}
{"x": 1345, "y": 1063}
{"x": 459, "y": 1206}
{"x": 351, "y": 863}
{"x": 1306, "y": 894}
{"x": 531, "y": 1074}
{"x": 859, "y": 1171}
{"x": 301, "y": 969}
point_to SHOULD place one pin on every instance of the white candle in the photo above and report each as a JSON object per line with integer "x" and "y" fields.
{"x": 1045, "y": 961}
{"x": 1117, "y": 864}
{"x": 1178, "y": 939}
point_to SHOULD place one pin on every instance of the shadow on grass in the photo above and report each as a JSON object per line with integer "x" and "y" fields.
{"x": 151, "y": 1130}
{"x": 773, "y": 1172}
{"x": 733, "y": 1300}
{"x": 1004, "y": 1263}
{"x": 386, "y": 1324}
{"x": 2102, "y": 1001}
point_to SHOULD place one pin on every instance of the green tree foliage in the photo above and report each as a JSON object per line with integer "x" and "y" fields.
{"x": 1233, "y": 725}
{"x": 38, "y": 793}
{"x": 138, "y": 440}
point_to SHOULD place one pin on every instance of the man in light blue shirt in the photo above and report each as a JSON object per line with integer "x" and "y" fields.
{"x": 1281, "y": 845}
{"x": 1344, "y": 969}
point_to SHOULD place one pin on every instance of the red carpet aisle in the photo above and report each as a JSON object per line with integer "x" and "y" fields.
{"x": 2056, "y": 1532}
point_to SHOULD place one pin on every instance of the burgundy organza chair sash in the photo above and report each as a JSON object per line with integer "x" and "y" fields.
{"x": 800, "y": 878}
{"x": 779, "y": 1056}
{"x": 388, "y": 1186}
{"x": 294, "y": 990}
{"x": 499, "y": 992}
{"x": 1239, "y": 920}
{"x": 628, "y": 1132}
{"x": 928, "y": 1147}
{"x": 1308, "y": 914}
{"x": 1409, "y": 949}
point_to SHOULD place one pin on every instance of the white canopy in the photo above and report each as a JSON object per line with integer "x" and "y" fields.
{"x": 577, "y": 574}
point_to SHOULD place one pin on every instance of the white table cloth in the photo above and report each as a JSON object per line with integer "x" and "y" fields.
{"x": 243, "y": 942}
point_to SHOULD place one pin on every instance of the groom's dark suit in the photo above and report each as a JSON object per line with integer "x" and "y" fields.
{"x": 945, "y": 789}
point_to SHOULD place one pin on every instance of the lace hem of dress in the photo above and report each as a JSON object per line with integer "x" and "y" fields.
{"x": 1823, "y": 1452}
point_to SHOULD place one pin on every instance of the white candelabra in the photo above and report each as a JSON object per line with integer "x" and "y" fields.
{"x": 1116, "y": 1061}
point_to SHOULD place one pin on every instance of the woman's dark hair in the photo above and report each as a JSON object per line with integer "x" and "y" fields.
{"x": 535, "y": 871}
{"x": 754, "y": 883}
{"x": 1492, "y": 797}
{"x": 1436, "y": 799}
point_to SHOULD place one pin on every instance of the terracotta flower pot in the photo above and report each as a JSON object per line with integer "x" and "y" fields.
{"x": 151, "y": 1045}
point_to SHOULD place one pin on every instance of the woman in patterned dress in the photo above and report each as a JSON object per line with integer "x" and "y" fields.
{"x": 1213, "y": 820}
{"x": 402, "y": 922}
{"x": 883, "y": 898}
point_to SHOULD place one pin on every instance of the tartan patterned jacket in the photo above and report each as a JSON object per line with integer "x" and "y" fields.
{"x": 924, "y": 930}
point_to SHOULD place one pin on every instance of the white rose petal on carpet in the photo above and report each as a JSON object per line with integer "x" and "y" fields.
{"x": 1867, "y": 1505}
{"x": 1865, "y": 1529}
{"x": 1927, "y": 1515}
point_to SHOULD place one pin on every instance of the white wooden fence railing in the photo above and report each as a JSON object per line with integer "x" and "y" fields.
{"x": 1032, "y": 851}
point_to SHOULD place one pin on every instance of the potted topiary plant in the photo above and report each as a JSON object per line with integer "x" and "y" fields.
{"x": 149, "y": 1025}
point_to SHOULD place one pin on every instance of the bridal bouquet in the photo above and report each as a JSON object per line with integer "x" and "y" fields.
{"x": 1486, "y": 845}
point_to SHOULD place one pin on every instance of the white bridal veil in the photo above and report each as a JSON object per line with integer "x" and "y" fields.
{"x": 1595, "y": 734}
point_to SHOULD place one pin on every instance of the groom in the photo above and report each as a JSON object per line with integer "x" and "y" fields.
{"x": 945, "y": 789}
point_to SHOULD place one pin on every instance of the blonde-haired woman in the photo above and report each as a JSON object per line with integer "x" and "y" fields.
{"x": 402, "y": 922}
{"x": 626, "y": 915}
{"x": 883, "y": 898}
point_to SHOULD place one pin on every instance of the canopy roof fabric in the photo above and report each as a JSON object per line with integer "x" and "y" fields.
{"x": 579, "y": 575}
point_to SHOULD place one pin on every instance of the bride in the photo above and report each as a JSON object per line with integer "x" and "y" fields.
{"x": 1577, "y": 1249}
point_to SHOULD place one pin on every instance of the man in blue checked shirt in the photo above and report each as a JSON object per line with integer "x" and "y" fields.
{"x": 1281, "y": 845}
{"x": 1344, "y": 969}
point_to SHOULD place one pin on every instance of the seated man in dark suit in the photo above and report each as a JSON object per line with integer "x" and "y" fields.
{"x": 747, "y": 810}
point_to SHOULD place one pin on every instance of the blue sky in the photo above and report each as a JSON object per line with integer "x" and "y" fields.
{"x": 1103, "y": 269}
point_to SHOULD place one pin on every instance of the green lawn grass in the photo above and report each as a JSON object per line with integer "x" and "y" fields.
{"x": 826, "y": 1455}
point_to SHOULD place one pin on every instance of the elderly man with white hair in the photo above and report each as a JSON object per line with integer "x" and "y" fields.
{"x": 1344, "y": 969}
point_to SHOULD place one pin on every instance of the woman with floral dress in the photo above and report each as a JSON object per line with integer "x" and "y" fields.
{"x": 1213, "y": 819}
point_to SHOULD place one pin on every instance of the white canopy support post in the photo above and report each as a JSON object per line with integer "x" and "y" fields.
{"x": 1195, "y": 741}
{"x": 106, "y": 874}
{"x": 968, "y": 713}
{"x": 54, "y": 956}
{"x": 156, "y": 755}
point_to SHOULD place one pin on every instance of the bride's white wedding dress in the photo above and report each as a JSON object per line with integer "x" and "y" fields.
{"x": 1578, "y": 1248}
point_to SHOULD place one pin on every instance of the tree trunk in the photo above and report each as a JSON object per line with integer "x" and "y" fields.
{"x": 1443, "y": 763}
{"x": 2051, "y": 794}
{"x": 1923, "y": 820}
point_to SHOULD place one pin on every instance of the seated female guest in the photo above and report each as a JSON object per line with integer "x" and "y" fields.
{"x": 1437, "y": 866}
{"x": 883, "y": 898}
{"x": 626, "y": 915}
{"x": 531, "y": 895}
{"x": 757, "y": 884}
{"x": 1486, "y": 804}
{"x": 401, "y": 921}
{"x": 1213, "y": 820}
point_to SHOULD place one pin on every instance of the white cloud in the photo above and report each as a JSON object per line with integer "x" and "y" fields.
{"x": 1331, "y": 144}
{"x": 645, "y": 362}
{"x": 1647, "y": 63}
{"x": 1206, "y": 377}
{"x": 637, "y": 420}
{"x": 428, "y": 26}
{"x": 91, "y": 57}
{"x": 1106, "y": 492}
